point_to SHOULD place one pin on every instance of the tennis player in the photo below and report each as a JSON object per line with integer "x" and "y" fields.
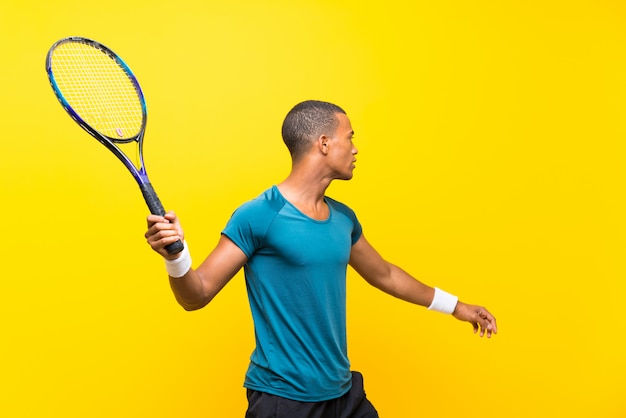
{"x": 294, "y": 244}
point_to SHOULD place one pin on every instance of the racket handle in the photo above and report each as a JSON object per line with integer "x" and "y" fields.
{"x": 156, "y": 208}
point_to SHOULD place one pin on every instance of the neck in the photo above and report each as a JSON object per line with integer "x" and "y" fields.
{"x": 305, "y": 189}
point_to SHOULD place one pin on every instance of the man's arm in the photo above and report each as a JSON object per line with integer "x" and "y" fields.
{"x": 195, "y": 288}
{"x": 393, "y": 280}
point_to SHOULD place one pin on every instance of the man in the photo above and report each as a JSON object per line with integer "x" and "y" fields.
{"x": 295, "y": 244}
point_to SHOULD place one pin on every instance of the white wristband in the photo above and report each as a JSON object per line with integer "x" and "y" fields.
{"x": 443, "y": 302}
{"x": 180, "y": 266}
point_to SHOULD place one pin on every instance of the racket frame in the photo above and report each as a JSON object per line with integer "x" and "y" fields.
{"x": 139, "y": 173}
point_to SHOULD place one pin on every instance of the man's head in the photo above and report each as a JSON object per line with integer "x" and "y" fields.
{"x": 306, "y": 122}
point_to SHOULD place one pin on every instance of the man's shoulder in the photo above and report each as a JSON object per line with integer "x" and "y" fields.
{"x": 269, "y": 200}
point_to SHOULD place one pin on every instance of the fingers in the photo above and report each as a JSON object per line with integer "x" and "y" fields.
{"x": 486, "y": 322}
{"x": 483, "y": 322}
{"x": 162, "y": 231}
{"x": 169, "y": 217}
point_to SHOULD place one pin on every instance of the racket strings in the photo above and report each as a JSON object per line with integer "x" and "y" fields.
{"x": 98, "y": 89}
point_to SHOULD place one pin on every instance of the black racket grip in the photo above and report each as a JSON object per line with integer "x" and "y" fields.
{"x": 156, "y": 208}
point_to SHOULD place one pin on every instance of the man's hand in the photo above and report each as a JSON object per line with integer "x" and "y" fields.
{"x": 162, "y": 231}
{"x": 480, "y": 318}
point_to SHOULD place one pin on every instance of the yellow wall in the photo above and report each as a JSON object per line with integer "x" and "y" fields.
{"x": 491, "y": 138}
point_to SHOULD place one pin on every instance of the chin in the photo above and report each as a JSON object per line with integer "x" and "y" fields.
{"x": 345, "y": 176}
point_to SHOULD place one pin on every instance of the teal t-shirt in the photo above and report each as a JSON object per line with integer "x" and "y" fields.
{"x": 296, "y": 282}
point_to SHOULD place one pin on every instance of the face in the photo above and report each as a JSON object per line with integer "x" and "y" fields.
{"x": 341, "y": 149}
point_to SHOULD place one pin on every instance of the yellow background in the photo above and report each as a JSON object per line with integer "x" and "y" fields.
{"x": 491, "y": 138}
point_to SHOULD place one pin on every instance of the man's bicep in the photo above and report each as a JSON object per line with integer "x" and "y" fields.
{"x": 223, "y": 262}
{"x": 367, "y": 261}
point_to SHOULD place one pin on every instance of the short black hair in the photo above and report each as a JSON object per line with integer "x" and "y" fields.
{"x": 306, "y": 121}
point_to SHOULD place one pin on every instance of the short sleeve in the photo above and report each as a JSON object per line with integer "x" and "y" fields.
{"x": 248, "y": 225}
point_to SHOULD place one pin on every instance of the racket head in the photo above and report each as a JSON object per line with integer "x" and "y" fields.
{"x": 97, "y": 89}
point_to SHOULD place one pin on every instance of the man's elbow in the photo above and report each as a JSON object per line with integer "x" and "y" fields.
{"x": 192, "y": 306}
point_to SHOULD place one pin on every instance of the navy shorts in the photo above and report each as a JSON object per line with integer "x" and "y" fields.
{"x": 353, "y": 404}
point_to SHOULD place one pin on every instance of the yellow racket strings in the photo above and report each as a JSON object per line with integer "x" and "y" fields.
{"x": 98, "y": 90}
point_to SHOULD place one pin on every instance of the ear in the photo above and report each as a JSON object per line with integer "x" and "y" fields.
{"x": 322, "y": 144}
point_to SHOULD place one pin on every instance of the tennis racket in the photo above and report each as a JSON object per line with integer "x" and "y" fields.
{"x": 99, "y": 91}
